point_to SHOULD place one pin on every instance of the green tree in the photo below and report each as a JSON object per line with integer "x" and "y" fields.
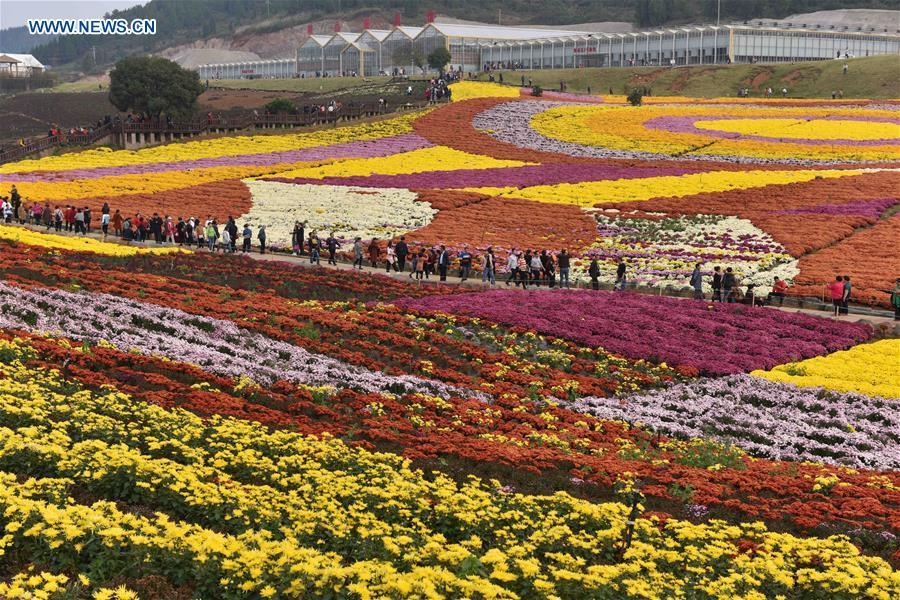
{"x": 280, "y": 105}
{"x": 439, "y": 59}
{"x": 154, "y": 86}
{"x": 636, "y": 97}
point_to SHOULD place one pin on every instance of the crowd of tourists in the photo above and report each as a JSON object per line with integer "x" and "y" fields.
{"x": 521, "y": 268}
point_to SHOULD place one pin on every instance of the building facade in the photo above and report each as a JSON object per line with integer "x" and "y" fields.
{"x": 477, "y": 47}
{"x": 283, "y": 68}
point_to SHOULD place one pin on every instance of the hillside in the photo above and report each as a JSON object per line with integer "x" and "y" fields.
{"x": 238, "y": 22}
{"x": 874, "y": 77}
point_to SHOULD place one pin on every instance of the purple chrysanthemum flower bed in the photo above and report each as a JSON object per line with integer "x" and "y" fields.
{"x": 717, "y": 339}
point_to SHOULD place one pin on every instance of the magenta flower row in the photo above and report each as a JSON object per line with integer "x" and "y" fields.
{"x": 717, "y": 339}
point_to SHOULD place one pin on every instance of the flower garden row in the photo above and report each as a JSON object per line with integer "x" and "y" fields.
{"x": 233, "y": 511}
{"x": 422, "y": 440}
{"x": 483, "y": 395}
{"x": 792, "y": 190}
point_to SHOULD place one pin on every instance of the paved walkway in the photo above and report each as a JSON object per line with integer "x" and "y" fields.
{"x": 883, "y": 320}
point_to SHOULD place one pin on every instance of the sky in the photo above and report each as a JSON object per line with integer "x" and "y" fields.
{"x": 14, "y": 13}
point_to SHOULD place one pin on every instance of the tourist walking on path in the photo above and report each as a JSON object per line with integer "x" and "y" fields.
{"x": 836, "y": 289}
{"x": 226, "y": 240}
{"x": 79, "y": 219}
{"x": 247, "y": 236}
{"x": 845, "y": 299}
{"x": 717, "y": 284}
{"x": 594, "y": 273}
{"x": 413, "y": 264}
{"x": 512, "y": 262}
{"x": 297, "y": 238}
{"x": 104, "y": 223}
{"x": 535, "y": 266}
{"x": 421, "y": 263}
{"x": 402, "y": 251}
{"x": 117, "y": 223}
{"x": 443, "y": 263}
{"x": 16, "y": 201}
{"x": 728, "y": 284}
{"x": 391, "y": 257}
{"x": 331, "y": 243}
{"x": 488, "y": 265}
{"x": 697, "y": 282}
{"x": 431, "y": 259}
{"x": 315, "y": 248}
{"x": 210, "y": 234}
{"x": 465, "y": 263}
{"x": 620, "y": 276}
{"x": 261, "y": 236}
{"x": 358, "y": 253}
{"x": 563, "y": 261}
{"x": 779, "y": 289}
{"x": 374, "y": 251}
{"x": 895, "y": 299}
{"x": 523, "y": 270}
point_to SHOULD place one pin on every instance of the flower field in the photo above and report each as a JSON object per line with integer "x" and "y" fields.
{"x": 178, "y": 424}
{"x": 812, "y": 182}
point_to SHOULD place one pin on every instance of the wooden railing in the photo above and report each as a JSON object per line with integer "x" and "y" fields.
{"x": 63, "y": 139}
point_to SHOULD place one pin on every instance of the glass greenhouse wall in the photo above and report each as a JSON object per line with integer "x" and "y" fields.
{"x": 478, "y": 47}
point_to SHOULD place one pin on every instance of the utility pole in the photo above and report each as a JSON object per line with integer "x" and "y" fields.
{"x": 718, "y": 11}
{"x": 499, "y": 14}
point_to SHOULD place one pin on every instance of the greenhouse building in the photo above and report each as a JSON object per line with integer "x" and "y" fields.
{"x": 480, "y": 47}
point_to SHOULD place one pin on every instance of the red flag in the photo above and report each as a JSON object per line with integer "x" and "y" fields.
{"x": 397, "y": 20}
{"x": 337, "y": 26}
{"x": 309, "y": 29}
{"x": 430, "y": 17}
{"x": 366, "y": 23}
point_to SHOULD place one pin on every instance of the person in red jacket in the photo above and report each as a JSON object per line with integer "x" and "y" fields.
{"x": 836, "y": 288}
{"x": 779, "y": 289}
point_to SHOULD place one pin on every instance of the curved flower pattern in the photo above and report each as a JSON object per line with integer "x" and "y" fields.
{"x": 348, "y": 211}
{"x": 866, "y": 369}
{"x": 775, "y": 420}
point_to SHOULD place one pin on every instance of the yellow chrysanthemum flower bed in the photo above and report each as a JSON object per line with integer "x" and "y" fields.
{"x": 415, "y": 161}
{"x": 215, "y": 147}
{"x": 630, "y": 128}
{"x": 76, "y": 244}
{"x": 467, "y": 90}
{"x": 588, "y": 193}
{"x": 872, "y": 369}
{"x": 236, "y": 511}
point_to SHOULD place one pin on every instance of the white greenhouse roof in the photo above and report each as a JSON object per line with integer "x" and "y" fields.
{"x": 348, "y": 37}
{"x": 319, "y": 40}
{"x": 410, "y": 32}
{"x": 499, "y": 32}
{"x": 378, "y": 34}
{"x": 23, "y": 59}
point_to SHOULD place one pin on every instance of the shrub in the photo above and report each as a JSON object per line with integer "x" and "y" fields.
{"x": 280, "y": 105}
